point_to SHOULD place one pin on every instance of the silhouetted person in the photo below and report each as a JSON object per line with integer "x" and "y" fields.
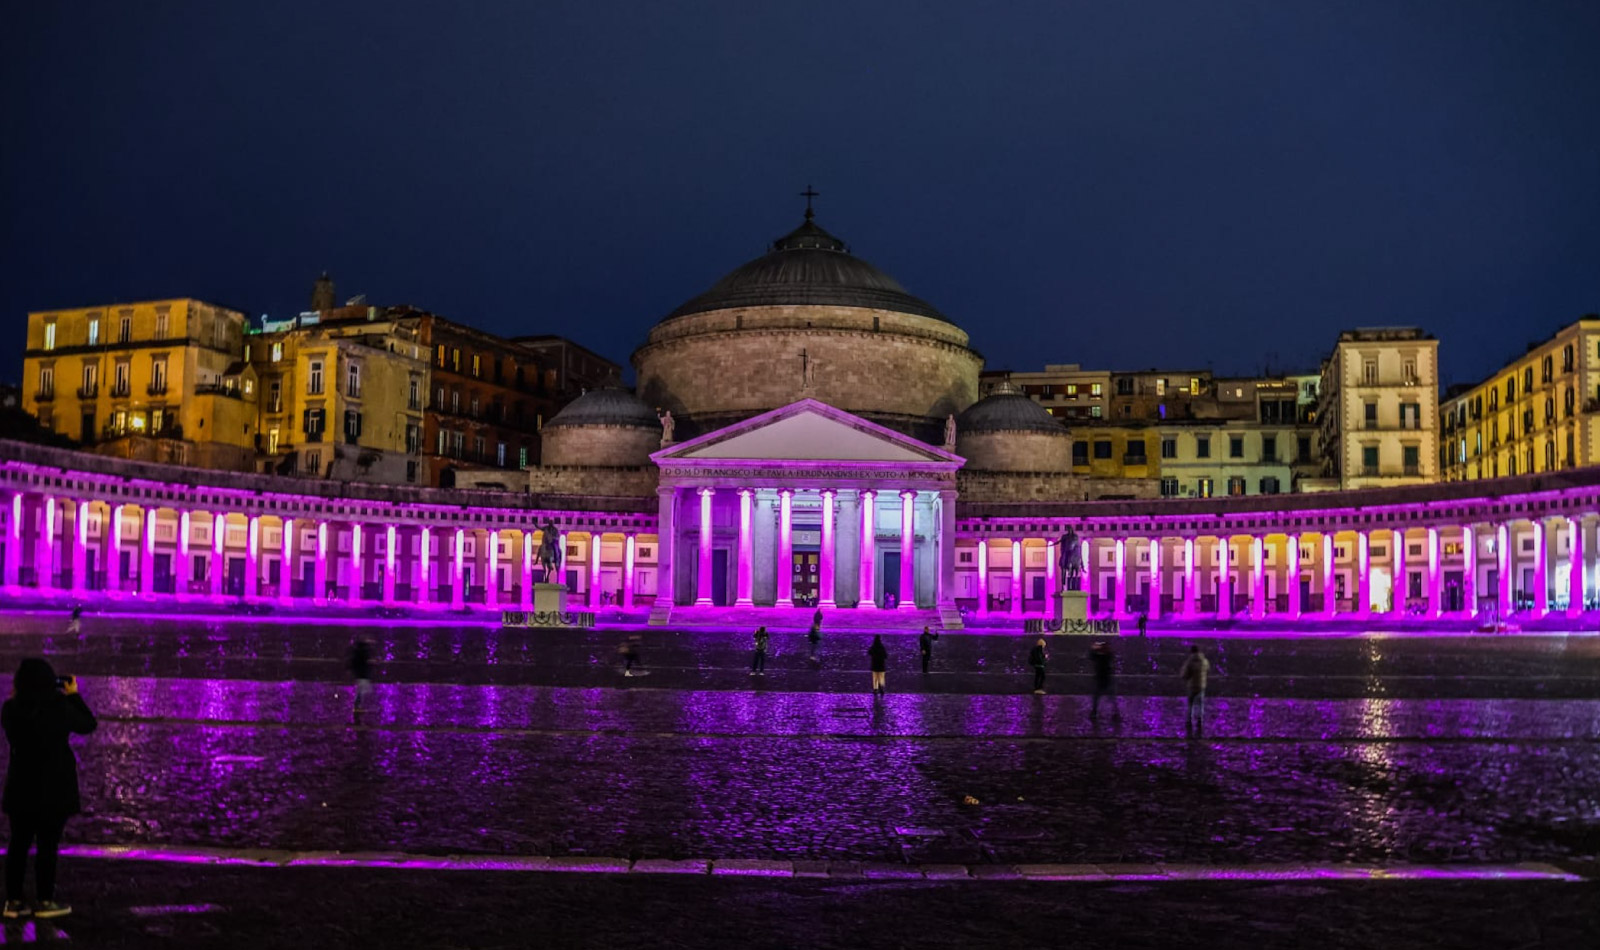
{"x": 42, "y": 779}
{"x": 1037, "y": 658}
{"x": 814, "y": 640}
{"x": 75, "y": 622}
{"x": 1193, "y": 674}
{"x": 630, "y": 655}
{"x": 816, "y": 619}
{"x": 758, "y": 663}
{"x": 361, "y": 670}
{"x": 925, "y": 644}
{"x": 878, "y": 654}
{"x": 1144, "y": 623}
{"x": 1103, "y": 661}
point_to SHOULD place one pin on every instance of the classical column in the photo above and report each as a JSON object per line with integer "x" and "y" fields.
{"x": 1293, "y": 580}
{"x": 703, "y": 591}
{"x": 219, "y": 536}
{"x": 80, "y": 547}
{"x": 1088, "y": 566}
{"x": 183, "y": 574}
{"x": 1435, "y": 570}
{"x": 1542, "y": 539}
{"x": 594, "y": 568}
{"x": 1576, "y": 595}
{"x": 1330, "y": 600}
{"x": 983, "y": 578}
{"x": 45, "y": 550}
{"x": 319, "y": 567}
{"x": 147, "y": 553}
{"x": 825, "y": 576}
{"x": 627, "y": 571}
{"x": 491, "y": 580}
{"x": 947, "y": 549}
{"x": 666, "y": 539}
{"x": 389, "y": 535}
{"x": 1190, "y": 588}
{"x": 13, "y": 562}
{"x": 1016, "y": 576}
{"x": 908, "y": 550}
{"x": 1153, "y": 607}
{"x": 1258, "y": 578}
{"x": 458, "y": 594}
{"x": 1502, "y": 550}
{"x": 1363, "y": 575}
{"x": 869, "y": 551}
{"x": 1400, "y": 584}
{"x": 526, "y": 594}
{"x": 425, "y": 567}
{"x": 357, "y": 540}
{"x": 746, "y": 553}
{"x": 1224, "y": 579}
{"x": 285, "y": 559}
{"x": 1469, "y": 572}
{"x": 1051, "y": 583}
{"x": 252, "y": 558}
{"x": 785, "y": 571}
{"x": 1120, "y": 608}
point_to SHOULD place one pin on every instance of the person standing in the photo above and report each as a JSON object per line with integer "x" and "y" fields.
{"x": 1103, "y": 660}
{"x": 41, "y": 790}
{"x": 1037, "y": 658}
{"x": 878, "y": 654}
{"x": 1193, "y": 674}
{"x": 75, "y": 622}
{"x": 1144, "y": 623}
{"x": 361, "y": 669}
{"x": 758, "y": 664}
{"x": 814, "y": 640}
{"x": 925, "y": 644}
{"x": 816, "y": 619}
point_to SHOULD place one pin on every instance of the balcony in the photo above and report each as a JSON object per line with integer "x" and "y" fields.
{"x": 120, "y": 390}
{"x": 1135, "y": 459}
{"x": 44, "y": 395}
{"x": 275, "y": 405}
{"x": 217, "y": 389}
{"x": 158, "y": 388}
{"x": 89, "y": 391}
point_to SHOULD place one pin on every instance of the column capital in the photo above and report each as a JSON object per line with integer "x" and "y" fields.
{"x": 786, "y": 492}
{"x": 705, "y": 491}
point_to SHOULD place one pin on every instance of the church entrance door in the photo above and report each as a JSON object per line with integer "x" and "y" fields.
{"x": 891, "y": 579}
{"x": 719, "y": 578}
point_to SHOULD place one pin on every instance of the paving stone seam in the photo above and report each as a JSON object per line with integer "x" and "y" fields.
{"x": 759, "y": 867}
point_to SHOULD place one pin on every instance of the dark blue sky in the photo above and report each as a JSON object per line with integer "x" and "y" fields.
{"x": 1117, "y": 184}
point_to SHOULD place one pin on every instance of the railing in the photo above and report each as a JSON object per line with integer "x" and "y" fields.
{"x": 156, "y": 389}
{"x": 120, "y": 391}
{"x": 217, "y": 389}
{"x": 44, "y": 395}
{"x": 89, "y": 392}
{"x": 275, "y": 404}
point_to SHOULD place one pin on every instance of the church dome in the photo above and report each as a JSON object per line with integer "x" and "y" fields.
{"x": 808, "y": 267}
{"x": 1006, "y": 410}
{"x": 606, "y": 407}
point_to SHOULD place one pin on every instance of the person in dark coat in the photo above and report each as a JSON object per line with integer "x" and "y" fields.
{"x": 879, "y": 655}
{"x": 1037, "y": 658}
{"x": 758, "y": 664}
{"x": 41, "y": 790}
{"x": 361, "y": 670}
{"x": 1103, "y": 660}
{"x": 925, "y": 644}
{"x": 813, "y": 641}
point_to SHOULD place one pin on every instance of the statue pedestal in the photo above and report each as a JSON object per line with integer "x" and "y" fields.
{"x": 1072, "y": 605}
{"x": 549, "y": 599}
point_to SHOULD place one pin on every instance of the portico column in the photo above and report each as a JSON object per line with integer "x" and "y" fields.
{"x": 1400, "y": 585}
{"x": 147, "y": 554}
{"x": 1190, "y": 588}
{"x": 1258, "y": 578}
{"x": 1330, "y": 600}
{"x": 1153, "y": 608}
{"x": 1541, "y": 567}
{"x": 825, "y": 576}
{"x": 869, "y": 552}
{"x": 1469, "y": 572}
{"x": 666, "y": 541}
{"x": 80, "y": 546}
{"x": 627, "y": 571}
{"x": 353, "y": 580}
{"x": 908, "y": 536}
{"x": 947, "y": 549}
{"x": 1502, "y": 550}
{"x": 285, "y": 559}
{"x": 425, "y": 568}
{"x": 252, "y": 557}
{"x": 1051, "y": 583}
{"x": 983, "y": 578}
{"x": 389, "y": 533}
{"x": 319, "y": 567}
{"x": 1363, "y": 575}
{"x": 219, "y": 534}
{"x": 1224, "y": 580}
{"x": 1575, "y": 576}
{"x": 526, "y": 594}
{"x": 1293, "y": 580}
{"x": 491, "y": 580}
{"x": 113, "y": 558}
{"x": 458, "y": 544}
{"x": 1120, "y": 587}
{"x": 1016, "y": 577}
{"x": 45, "y": 550}
{"x": 742, "y": 596}
{"x": 594, "y": 568}
{"x": 1435, "y": 570}
{"x": 785, "y": 570}
{"x": 13, "y": 562}
{"x": 703, "y": 591}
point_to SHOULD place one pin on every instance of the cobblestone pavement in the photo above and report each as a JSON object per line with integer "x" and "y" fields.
{"x": 130, "y": 906}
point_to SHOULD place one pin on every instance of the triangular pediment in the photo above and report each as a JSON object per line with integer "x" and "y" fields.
{"x": 806, "y": 431}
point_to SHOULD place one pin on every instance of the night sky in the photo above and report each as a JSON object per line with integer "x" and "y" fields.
{"x": 1123, "y": 185}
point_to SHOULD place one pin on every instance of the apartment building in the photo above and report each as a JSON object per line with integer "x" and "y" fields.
{"x": 1378, "y": 408}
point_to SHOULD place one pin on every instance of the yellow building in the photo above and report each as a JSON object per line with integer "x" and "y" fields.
{"x": 1116, "y": 451}
{"x": 159, "y": 381}
{"x": 1539, "y": 413}
{"x": 342, "y": 400}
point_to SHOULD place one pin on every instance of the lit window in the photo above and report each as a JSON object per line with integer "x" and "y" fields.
{"x": 277, "y": 352}
{"x": 50, "y": 335}
{"x": 94, "y": 331}
{"x": 314, "y": 378}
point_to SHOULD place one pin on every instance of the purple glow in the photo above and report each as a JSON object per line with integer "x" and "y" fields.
{"x": 1502, "y": 550}
{"x": 627, "y": 571}
{"x": 983, "y": 578}
{"x": 286, "y": 569}
{"x": 1399, "y": 582}
{"x": 1576, "y": 594}
{"x": 319, "y": 569}
{"x": 594, "y": 568}
{"x": 1469, "y": 570}
{"x": 1258, "y": 578}
{"x": 1190, "y": 591}
{"x": 425, "y": 580}
{"x": 147, "y": 554}
{"x": 219, "y": 531}
{"x": 1119, "y": 606}
{"x": 1435, "y": 595}
{"x": 1016, "y": 577}
{"x": 491, "y": 583}
{"x": 908, "y": 536}
{"x": 1224, "y": 579}
{"x": 458, "y": 567}
{"x": 869, "y": 551}
{"x": 1330, "y": 603}
{"x": 252, "y": 564}
{"x": 1541, "y": 570}
{"x": 825, "y": 576}
{"x": 1363, "y": 575}
{"x": 785, "y": 548}
{"x": 742, "y": 596}
{"x": 703, "y": 589}
{"x": 1293, "y": 579}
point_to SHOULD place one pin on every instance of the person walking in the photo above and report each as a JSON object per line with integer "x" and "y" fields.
{"x": 41, "y": 790}
{"x": 361, "y": 670}
{"x": 816, "y": 619}
{"x": 1103, "y": 660}
{"x": 75, "y": 622}
{"x": 1037, "y": 658}
{"x": 1144, "y": 623}
{"x": 758, "y": 664}
{"x": 1193, "y": 674}
{"x": 878, "y": 654}
{"x": 630, "y": 656}
{"x": 814, "y": 640}
{"x": 925, "y": 644}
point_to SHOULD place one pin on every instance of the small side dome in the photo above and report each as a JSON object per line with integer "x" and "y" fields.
{"x": 1006, "y": 410}
{"x": 606, "y": 407}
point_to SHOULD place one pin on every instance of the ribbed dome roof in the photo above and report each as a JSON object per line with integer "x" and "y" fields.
{"x": 606, "y": 407}
{"x": 808, "y": 266}
{"x": 1006, "y": 410}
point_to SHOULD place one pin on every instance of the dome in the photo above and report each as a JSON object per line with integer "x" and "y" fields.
{"x": 606, "y": 407}
{"x": 808, "y": 267}
{"x": 1006, "y": 410}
